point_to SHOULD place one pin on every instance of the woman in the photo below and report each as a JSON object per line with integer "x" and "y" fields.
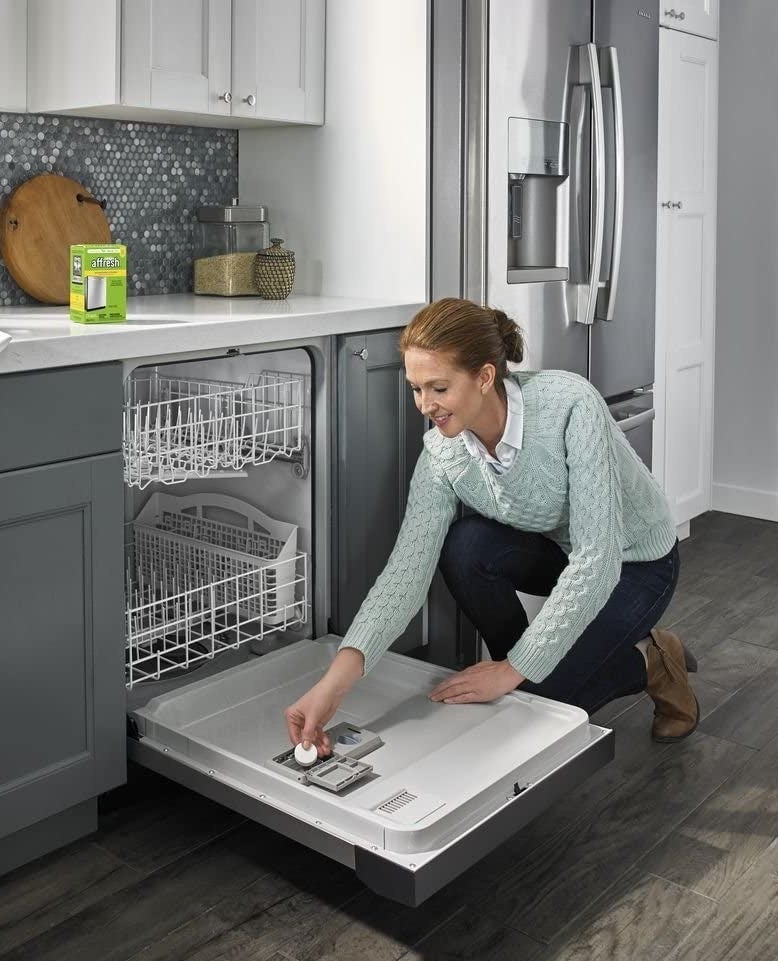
{"x": 563, "y": 506}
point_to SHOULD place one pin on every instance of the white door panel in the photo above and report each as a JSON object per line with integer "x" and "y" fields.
{"x": 686, "y": 269}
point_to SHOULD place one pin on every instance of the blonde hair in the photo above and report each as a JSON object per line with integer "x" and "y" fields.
{"x": 472, "y": 335}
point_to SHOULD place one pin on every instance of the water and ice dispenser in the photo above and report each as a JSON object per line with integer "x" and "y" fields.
{"x": 537, "y": 165}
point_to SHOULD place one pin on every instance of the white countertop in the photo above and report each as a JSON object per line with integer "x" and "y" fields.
{"x": 178, "y": 323}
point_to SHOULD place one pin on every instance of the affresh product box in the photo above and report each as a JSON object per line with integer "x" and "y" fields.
{"x": 98, "y": 283}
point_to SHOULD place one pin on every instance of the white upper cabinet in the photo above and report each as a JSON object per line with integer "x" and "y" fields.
{"x": 13, "y": 55}
{"x": 700, "y": 17}
{"x": 227, "y": 63}
{"x": 278, "y": 59}
{"x": 176, "y": 55}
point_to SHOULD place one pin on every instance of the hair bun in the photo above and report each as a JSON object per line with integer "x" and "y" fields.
{"x": 510, "y": 335}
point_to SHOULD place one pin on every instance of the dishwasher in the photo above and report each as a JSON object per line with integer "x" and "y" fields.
{"x": 229, "y": 493}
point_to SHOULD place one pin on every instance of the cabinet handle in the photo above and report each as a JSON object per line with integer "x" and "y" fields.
{"x": 226, "y": 96}
{"x": 677, "y": 205}
{"x": 674, "y": 15}
{"x": 667, "y": 203}
{"x": 250, "y": 100}
{"x": 362, "y": 353}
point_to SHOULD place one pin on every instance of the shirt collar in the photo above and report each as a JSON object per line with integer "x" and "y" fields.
{"x": 513, "y": 433}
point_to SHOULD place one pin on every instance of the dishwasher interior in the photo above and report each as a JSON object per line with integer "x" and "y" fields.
{"x": 228, "y": 563}
{"x": 219, "y": 519}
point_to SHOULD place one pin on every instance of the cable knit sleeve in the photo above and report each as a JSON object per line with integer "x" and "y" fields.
{"x": 594, "y": 563}
{"x": 402, "y": 586}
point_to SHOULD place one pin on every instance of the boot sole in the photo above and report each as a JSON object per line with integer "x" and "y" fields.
{"x": 672, "y": 740}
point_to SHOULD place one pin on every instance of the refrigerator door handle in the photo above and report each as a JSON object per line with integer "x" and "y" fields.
{"x": 587, "y": 299}
{"x": 579, "y": 214}
{"x": 612, "y": 78}
{"x": 644, "y": 417}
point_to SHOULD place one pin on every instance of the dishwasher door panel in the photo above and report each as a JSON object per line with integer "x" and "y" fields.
{"x": 448, "y": 784}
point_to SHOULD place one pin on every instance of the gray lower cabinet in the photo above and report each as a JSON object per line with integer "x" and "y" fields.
{"x": 62, "y": 697}
{"x": 379, "y": 438}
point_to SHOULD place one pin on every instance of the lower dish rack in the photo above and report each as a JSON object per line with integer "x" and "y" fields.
{"x": 207, "y": 573}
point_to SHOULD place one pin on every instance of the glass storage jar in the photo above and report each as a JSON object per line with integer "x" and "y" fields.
{"x": 226, "y": 243}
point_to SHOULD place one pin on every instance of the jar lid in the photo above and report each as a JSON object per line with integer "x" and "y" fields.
{"x": 234, "y": 214}
{"x": 275, "y": 252}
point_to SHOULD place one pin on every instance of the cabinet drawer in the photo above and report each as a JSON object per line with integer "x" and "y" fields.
{"x": 59, "y": 415}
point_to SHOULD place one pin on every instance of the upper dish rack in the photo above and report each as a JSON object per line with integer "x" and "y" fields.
{"x": 177, "y": 428}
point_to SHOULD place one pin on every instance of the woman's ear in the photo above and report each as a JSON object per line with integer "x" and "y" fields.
{"x": 486, "y": 377}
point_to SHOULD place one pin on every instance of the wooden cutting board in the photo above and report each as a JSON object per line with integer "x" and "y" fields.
{"x": 39, "y": 222}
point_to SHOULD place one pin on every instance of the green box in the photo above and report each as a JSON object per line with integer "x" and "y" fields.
{"x": 98, "y": 283}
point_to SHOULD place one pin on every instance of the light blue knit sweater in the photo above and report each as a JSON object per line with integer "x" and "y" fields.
{"x": 575, "y": 480}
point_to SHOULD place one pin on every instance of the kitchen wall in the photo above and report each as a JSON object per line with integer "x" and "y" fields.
{"x": 745, "y": 464}
{"x": 350, "y": 198}
{"x": 152, "y": 177}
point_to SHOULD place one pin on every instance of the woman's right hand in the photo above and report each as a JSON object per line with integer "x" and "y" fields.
{"x": 306, "y": 718}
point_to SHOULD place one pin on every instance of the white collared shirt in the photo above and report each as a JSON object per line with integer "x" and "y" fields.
{"x": 512, "y": 436}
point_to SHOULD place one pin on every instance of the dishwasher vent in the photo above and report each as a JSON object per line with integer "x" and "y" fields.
{"x": 393, "y": 805}
{"x": 409, "y": 808}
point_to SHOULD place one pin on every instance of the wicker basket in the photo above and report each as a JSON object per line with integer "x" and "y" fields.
{"x": 274, "y": 271}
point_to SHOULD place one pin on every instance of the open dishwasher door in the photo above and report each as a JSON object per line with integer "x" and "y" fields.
{"x": 432, "y": 790}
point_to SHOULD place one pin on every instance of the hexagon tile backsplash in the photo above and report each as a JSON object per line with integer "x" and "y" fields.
{"x": 152, "y": 176}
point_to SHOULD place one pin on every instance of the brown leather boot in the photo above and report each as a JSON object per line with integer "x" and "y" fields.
{"x": 676, "y": 711}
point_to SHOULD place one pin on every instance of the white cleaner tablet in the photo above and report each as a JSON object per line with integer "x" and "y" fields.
{"x": 305, "y": 757}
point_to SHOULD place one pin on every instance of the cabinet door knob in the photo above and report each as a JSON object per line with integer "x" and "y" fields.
{"x": 362, "y": 353}
{"x": 677, "y": 205}
{"x": 667, "y": 203}
{"x": 226, "y": 96}
{"x": 250, "y": 100}
{"x": 681, "y": 15}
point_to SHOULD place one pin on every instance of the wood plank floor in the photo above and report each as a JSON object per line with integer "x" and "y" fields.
{"x": 669, "y": 854}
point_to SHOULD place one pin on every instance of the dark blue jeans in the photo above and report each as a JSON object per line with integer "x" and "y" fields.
{"x": 484, "y": 563}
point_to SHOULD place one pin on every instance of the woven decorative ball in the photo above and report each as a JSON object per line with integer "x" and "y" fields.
{"x": 274, "y": 271}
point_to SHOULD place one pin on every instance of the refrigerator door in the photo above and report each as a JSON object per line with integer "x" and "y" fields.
{"x": 622, "y": 348}
{"x": 441, "y": 785}
{"x": 534, "y": 74}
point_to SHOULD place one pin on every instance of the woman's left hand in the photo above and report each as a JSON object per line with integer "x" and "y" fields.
{"x": 484, "y": 681}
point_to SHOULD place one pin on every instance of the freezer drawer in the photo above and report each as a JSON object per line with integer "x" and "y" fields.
{"x": 447, "y": 784}
{"x": 635, "y": 416}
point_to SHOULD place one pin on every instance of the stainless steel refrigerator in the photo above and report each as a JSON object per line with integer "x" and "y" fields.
{"x": 543, "y": 198}
{"x": 543, "y": 175}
